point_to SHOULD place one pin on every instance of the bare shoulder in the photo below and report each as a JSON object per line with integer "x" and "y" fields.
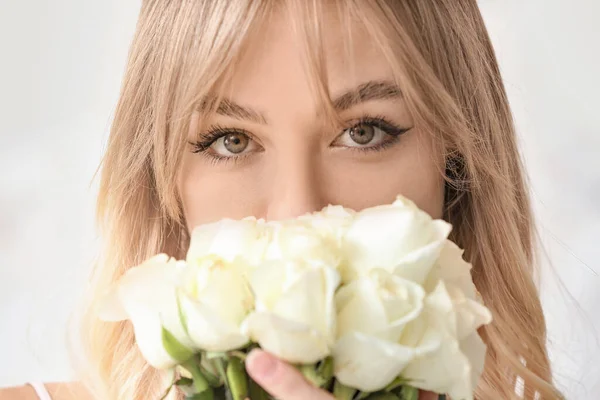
{"x": 24, "y": 392}
{"x": 58, "y": 391}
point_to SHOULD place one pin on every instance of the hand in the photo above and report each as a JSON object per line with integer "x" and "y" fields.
{"x": 285, "y": 382}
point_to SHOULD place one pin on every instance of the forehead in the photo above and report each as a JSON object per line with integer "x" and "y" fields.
{"x": 273, "y": 72}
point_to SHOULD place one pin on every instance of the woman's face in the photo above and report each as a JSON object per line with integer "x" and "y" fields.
{"x": 269, "y": 153}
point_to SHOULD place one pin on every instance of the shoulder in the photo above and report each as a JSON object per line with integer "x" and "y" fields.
{"x": 58, "y": 391}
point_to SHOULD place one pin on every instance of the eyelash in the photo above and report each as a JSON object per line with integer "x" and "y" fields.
{"x": 207, "y": 139}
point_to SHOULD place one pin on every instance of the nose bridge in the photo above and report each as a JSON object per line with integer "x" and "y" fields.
{"x": 295, "y": 188}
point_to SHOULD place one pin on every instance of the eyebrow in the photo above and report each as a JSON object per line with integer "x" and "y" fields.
{"x": 231, "y": 109}
{"x": 372, "y": 90}
{"x": 369, "y": 91}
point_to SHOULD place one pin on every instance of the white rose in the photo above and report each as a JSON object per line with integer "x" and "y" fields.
{"x": 147, "y": 295}
{"x": 389, "y": 326}
{"x": 454, "y": 313}
{"x": 247, "y": 238}
{"x": 331, "y": 222}
{"x": 372, "y": 313}
{"x": 398, "y": 237}
{"x": 295, "y": 314}
{"x": 294, "y": 240}
{"x": 215, "y": 299}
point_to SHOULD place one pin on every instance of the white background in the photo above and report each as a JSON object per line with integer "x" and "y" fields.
{"x": 60, "y": 68}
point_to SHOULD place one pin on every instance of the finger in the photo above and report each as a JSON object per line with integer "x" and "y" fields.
{"x": 281, "y": 380}
{"x": 423, "y": 395}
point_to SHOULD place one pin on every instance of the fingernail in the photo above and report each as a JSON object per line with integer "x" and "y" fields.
{"x": 261, "y": 363}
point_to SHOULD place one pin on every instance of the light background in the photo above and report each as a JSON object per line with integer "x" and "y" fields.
{"x": 60, "y": 68}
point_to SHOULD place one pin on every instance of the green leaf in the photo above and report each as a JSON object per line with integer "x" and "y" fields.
{"x": 236, "y": 379}
{"x": 396, "y": 383}
{"x": 176, "y": 350}
{"x": 343, "y": 392}
{"x": 409, "y": 393}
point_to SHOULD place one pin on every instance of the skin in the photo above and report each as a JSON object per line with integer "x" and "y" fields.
{"x": 296, "y": 164}
{"x": 291, "y": 163}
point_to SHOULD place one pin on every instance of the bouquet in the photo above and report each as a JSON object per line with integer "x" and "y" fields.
{"x": 368, "y": 305}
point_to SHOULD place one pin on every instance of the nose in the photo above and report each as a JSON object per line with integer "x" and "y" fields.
{"x": 295, "y": 188}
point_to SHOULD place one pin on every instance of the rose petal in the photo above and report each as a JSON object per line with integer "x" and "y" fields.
{"x": 474, "y": 349}
{"x": 385, "y": 236}
{"x": 446, "y": 370}
{"x": 369, "y": 363}
{"x": 452, "y": 269}
{"x": 229, "y": 239}
{"x": 309, "y": 299}
{"x": 147, "y": 294}
{"x": 359, "y": 309}
{"x": 209, "y": 330}
{"x": 291, "y": 341}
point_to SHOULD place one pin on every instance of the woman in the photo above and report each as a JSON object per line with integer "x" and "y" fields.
{"x": 278, "y": 108}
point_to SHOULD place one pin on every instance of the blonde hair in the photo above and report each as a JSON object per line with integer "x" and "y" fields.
{"x": 443, "y": 60}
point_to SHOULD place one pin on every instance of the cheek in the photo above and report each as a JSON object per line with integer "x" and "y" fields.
{"x": 208, "y": 196}
{"x": 413, "y": 171}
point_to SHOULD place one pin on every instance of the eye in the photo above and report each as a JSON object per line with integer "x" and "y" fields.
{"x": 364, "y": 134}
{"x": 369, "y": 134}
{"x": 223, "y": 143}
{"x": 231, "y": 143}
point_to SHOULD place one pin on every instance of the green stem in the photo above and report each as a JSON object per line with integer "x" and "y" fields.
{"x": 236, "y": 377}
{"x": 219, "y": 363}
{"x": 256, "y": 392}
{"x": 409, "y": 393}
{"x": 200, "y": 382}
{"x": 318, "y": 376}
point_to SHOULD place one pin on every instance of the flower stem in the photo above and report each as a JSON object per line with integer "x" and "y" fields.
{"x": 256, "y": 392}
{"x": 409, "y": 393}
{"x": 200, "y": 383}
{"x": 236, "y": 376}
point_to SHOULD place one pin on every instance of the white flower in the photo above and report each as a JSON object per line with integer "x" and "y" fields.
{"x": 373, "y": 312}
{"x": 331, "y": 222}
{"x": 295, "y": 314}
{"x": 454, "y": 313}
{"x": 389, "y": 326}
{"x": 294, "y": 240}
{"x": 147, "y": 296}
{"x": 198, "y": 306}
{"x": 215, "y": 298}
{"x": 398, "y": 237}
{"x": 227, "y": 239}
